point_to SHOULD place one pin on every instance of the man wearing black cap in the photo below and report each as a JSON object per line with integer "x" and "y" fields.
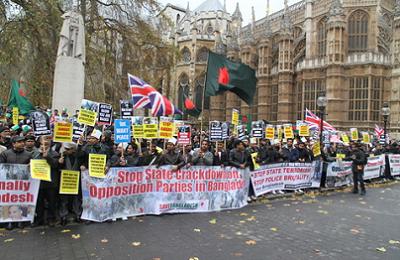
{"x": 5, "y": 137}
{"x": 30, "y": 144}
{"x": 16, "y": 155}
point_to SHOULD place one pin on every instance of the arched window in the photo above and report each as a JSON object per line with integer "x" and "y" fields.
{"x": 199, "y": 92}
{"x": 178, "y": 18}
{"x": 297, "y": 32}
{"x": 358, "y": 31}
{"x": 202, "y": 55}
{"x": 186, "y": 55}
{"x": 321, "y": 37}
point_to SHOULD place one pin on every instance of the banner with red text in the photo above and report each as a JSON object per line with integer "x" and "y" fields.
{"x": 394, "y": 163}
{"x": 134, "y": 191}
{"x": 18, "y": 193}
{"x": 286, "y": 176}
{"x": 340, "y": 173}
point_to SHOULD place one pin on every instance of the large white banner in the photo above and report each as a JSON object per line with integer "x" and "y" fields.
{"x": 18, "y": 193}
{"x": 137, "y": 191}
{"x": 340, "y": 173}
{"x": 394, "y": 162}
{"x": 286, "y": 176}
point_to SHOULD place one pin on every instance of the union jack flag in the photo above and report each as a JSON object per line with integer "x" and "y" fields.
{"x": 145, "y": 96}
{"x": 379, "y": 131}
{"x": 314, "y": 122}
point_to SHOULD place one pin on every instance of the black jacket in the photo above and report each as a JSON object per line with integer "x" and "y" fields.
{"x": 16, "y": 157}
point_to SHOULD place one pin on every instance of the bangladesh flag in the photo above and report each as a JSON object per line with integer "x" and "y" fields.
{"x": 190, "y": 107}
{"x": 18, "y": 99}
{"x": 225, "y": 75}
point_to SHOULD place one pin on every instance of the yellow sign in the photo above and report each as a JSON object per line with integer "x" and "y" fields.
{"x": 15, "y": 114}
{"x": 137, "y": 131}
{"x": 97, "y": 165}
{"x": 365, "y": 137}
{"x": 316, "y": 149}
{"x": 270, "y": 132}
{"x": 340, "y": 155}
{"x": 288, "y": 132}
{"x": 166, "y": 129}
{"x": 304, "y": 130}
{"x": 280, "y": 132}
{"x": 345, "y": 138}
{"x": 63, "y": 132}
{"x": 87, "y": 117}
{"x": 150, "y": 131}
{"x": 40, "y": 170}
{"x": 69, "y": 182}
{"x": 235, "y": 117}
{"x": 254, "y": 159}
{"x": 354, "y": 134}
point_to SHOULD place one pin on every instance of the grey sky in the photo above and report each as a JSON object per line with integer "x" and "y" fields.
{"x": 260, "y": 6}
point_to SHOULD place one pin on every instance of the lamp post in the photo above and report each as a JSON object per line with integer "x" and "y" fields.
{"x": 321, "y": 102}
{"x": 385, "y": 113}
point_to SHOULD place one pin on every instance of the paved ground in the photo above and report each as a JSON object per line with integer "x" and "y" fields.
{"x": 335, "y": 225}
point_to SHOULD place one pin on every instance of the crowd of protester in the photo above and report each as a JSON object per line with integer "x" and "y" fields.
{"x": 18, "y": 145}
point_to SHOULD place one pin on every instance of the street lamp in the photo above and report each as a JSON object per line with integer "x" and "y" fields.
{"x": 385, "y": 113}
{"x": 321, "y": 102}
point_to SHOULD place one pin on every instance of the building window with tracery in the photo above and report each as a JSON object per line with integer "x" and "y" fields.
{"x": 375, "y": 100}
{"x": 273, "y": 101}
{"x": 321, "y": 38}
{"x": 186, "y": 56}
{"x": 311, "y": 91}
{"x": 358, "y": 31}
{"x": 358, "y": 99}
{"x": 263, "y": 60}
{"x": 202, "y": 55}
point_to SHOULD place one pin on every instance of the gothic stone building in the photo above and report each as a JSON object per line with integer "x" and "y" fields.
{"x": 346, "y": 50}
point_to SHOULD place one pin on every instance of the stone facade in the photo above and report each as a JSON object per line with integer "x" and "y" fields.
{"x": 348, "y": 50}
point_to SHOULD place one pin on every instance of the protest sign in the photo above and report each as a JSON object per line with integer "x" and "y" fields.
{"x": 178, "y": 123}
{"x": 69, "y": 182}
{"x": 279, "y": 131}
{"x": 254, "y": 161}
{"x": 394, "y": 164}
{"x": 40, "y": 123}
{"x": 270, "y": 132}
{"x": 286, "y": 176}
{"x": 105, "y": 114}
{"x": 235, "y": 117}
{"x": 304, "y": 130}
{"x": 365, "y": 138}
{"x": 288, "y": 130}
{"x": 316, "y": 149}
{"x": 126, "y": 109}
{"x": 354, "y": 134}
{"x": 87, "y": 117}
{"x": 150, "y": 127}
{"x": 152, "y": 190}
{"x": 77, "y": 131}
{"x": 137, "y": 127}
{"x": 215, "y": 131}
{"x": 62, "y": 132}
{"x": 257, "y": 129}
{"x": 167, "y": 127}
{"x": 40, "y": 170}
{"x": 122, "y": 131}
{"x": 97, "y": 165}
{"x": 15, "y": 115}
{"x": 18, "y": 193}
{"x": 184, "y": 134}
{"x": 345, "y": 138}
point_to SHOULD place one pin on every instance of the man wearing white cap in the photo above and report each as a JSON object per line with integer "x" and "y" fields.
{"x": 171, "y": 156}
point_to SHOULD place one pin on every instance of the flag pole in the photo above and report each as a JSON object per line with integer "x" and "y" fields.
{"x": 203, "y": 97}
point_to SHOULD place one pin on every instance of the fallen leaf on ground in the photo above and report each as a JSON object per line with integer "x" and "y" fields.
{"x": 252, "y": 218}
{"x": 237, "y": 254}
{"x": 251, "y": 242}
{"x": 381, "y": 249}
{"x": 254, "y": 210}
{"x": 363, "y": 202}
{"x": 196, "y": 230}
{"x": 65, "y": 231}
{"x": 9, "y": 240}
{"x": 136, "y": 243}
{"x": 394, "y": 242}
{"x": 274, "y": 229}
{"x": 213, "y": 221}
{"x": 286, "y": 205}
{"x": 317, "y": 251}
{"x": 42, "y": 233}
{"x": 140, "y": 220}
{"x": 242, "y": 221}
{"x": 300, "y": 222}
{"x": 77, "y": 236}
{"x": 156, "y": 258}
{"x": 193, "y": 258}
{"x": 238, "y": 233}
{"x": 323, "y": 212}
{"x": 24, "y": 231}
{"x": 243, "y": 214}
{"x": 104, "y": 240}
{"x": 354, "y": 231}
{"x": 358, "y": 216}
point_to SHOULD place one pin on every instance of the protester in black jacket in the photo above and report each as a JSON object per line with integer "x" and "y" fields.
{"x": 238, "y": 157}
{"x": 359, "y": 161}
{"x": 221, "y": 157}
